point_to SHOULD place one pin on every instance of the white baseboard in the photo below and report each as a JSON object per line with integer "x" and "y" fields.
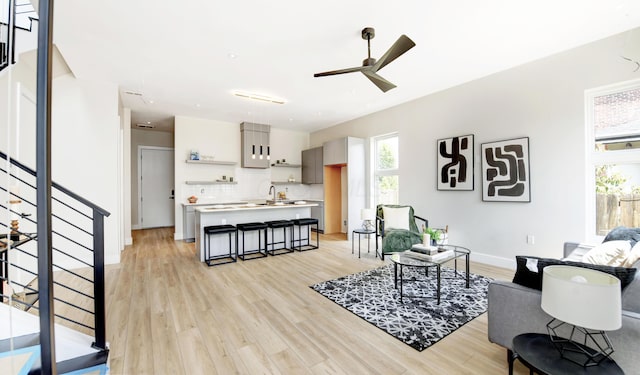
{"x": 178, "y": 236}
{"x": 112, "y": 258}
{"x": 128, "y": 241}
{"x": 136, "y": 227}
{"x": 494, "y": 260}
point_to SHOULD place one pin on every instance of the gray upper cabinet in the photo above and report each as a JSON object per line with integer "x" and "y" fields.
{"x": 312, "y": 166}
{"x": 255, "y": 145}
{"x": 335, "y": 152}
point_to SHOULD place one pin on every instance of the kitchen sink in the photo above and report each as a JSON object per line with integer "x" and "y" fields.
{"x": 279, "y": 202}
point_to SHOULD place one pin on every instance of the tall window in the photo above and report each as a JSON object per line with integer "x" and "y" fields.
{"x": 613, "y": 116}
{"x": 386, "y": 169}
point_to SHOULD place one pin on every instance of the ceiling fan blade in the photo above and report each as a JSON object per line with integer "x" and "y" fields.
{"x": 341, "y": 71}
{"x": 402, "y": 45}
{"x": 382, "y": 83}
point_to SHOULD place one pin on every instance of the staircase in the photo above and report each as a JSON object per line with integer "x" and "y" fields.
{"x": 17, "y": 20}
{"x": 59, "y": 326}
{"x": 78, "y": 274}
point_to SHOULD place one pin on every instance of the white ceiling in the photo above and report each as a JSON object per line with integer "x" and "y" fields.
{"x": 176, "y": 54}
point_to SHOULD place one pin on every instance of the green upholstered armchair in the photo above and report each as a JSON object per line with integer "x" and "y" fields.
{"x": 398, "y": 233}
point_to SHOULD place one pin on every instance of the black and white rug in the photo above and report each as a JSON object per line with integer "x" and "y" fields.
{"x": 418, "y": 322}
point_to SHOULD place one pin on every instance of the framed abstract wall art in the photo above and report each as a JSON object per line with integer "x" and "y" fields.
{"x": 505, "y": 171}
{"x": 455, "y": 163}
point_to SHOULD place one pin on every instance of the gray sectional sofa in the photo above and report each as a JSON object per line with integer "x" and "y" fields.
{"x": 515, "y": 309}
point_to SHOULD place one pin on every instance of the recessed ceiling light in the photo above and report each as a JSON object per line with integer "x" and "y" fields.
{"x": 232, "y": 55}
{"x": 260, "y": 97}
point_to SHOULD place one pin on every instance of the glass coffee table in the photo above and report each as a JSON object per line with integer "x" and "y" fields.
{"x": 401, "y": 260}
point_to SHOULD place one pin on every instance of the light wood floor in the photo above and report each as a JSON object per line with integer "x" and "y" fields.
{"x": 170, "y": 314}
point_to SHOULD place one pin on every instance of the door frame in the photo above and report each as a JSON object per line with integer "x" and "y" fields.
{"x": 139, "y": 156}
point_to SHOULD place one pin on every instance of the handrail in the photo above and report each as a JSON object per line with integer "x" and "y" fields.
{"x": 63, "y": 189}
{"x": 76, "y": 221}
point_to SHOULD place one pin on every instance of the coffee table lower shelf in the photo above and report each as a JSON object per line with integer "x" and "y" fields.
{"x": 401, "y": 260}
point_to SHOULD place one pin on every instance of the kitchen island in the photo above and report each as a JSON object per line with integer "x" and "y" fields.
{"x": 243, "y": 213}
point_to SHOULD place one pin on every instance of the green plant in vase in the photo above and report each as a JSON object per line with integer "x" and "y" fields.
{"x": 434, "y": 235}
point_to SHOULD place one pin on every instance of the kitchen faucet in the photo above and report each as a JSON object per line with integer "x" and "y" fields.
{"x": 274, "y": 192}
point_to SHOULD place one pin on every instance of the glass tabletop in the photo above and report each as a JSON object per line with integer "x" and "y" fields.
{"x": 412, "y": 258}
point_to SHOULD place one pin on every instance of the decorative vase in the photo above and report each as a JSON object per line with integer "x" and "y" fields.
{"x": 426, "y": 239}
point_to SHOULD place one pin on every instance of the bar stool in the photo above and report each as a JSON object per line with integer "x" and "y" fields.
{"x": 260, "y": 252}
{"x": 308, "y": 222}
{"x": 217, "y": 260}
{"x": 277, "y": 224}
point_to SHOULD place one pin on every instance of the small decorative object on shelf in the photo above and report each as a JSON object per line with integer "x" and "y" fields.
{"x": 195, "y": 155}
{"x": 15, "y": 235}
{"x": 192, "y": 199}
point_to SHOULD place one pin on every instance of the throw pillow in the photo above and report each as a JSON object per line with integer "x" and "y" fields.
{"x": 396, "y": 218}
{"x": 527, "y": 272}
{"x": 623, "y": 233}
{"x": 612, "y": 253}
{"x": 633, "y": 256}
{"x": 526, "y": 277}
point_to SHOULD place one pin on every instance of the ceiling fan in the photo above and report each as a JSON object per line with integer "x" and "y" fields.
{"x": 370, "y": 66}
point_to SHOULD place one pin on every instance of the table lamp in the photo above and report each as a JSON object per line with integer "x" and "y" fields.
{"x": 589, "y": 303}
{"x": 367, "y": 215}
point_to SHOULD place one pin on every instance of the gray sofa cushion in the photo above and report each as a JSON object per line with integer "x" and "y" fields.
{"x": 532, "y": 278}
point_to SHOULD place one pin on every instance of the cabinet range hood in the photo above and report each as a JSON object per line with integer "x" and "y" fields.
{"x": 255, "y": 146}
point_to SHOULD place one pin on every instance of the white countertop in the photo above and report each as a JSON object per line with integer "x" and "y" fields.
{"x": 250, "y": 206}
{"x": 209, "y": 203}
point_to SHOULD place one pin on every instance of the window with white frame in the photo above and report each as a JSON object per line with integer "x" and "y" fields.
{"x": 386, "y": 164}
{"x": 613, "y": 124}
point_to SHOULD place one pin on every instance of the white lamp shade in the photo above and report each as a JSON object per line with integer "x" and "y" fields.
{"x": 582, "y": 297}
{"x": 367, "y": 214}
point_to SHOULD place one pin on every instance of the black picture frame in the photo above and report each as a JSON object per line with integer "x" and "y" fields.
{"x": 455, "y": 163}
{"x": 506, "y": 173}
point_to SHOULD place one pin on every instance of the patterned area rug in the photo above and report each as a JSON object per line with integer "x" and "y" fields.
{"x": 418, "y": 322}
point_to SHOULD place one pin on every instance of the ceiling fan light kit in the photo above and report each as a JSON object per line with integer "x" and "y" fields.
{"x": 370, "y": 66}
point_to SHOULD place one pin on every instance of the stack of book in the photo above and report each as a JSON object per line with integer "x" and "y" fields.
{"x": 427, "y": 250}
{"x": 428, "y": 253}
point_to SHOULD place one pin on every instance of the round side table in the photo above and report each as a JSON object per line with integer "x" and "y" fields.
{"x": 360, "y": 232}
{"x": 536, "y": 351}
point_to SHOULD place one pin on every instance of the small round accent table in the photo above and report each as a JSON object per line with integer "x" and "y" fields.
{"x": 536, "y": 351}
{"x": 360, "y": 232}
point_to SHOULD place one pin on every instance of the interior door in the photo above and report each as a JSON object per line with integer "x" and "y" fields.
{"x": 156, "y": 188}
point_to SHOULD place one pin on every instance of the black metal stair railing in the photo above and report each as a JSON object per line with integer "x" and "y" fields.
{"x": 5, "y": 42}
{"x": 16, "y": 15}
{"x": 78, "y": 252}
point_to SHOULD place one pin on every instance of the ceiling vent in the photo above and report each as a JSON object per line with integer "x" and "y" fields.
{"x": 145, "y": 126}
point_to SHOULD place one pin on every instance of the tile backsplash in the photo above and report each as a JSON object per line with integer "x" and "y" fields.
{"x": 251, "y": 184}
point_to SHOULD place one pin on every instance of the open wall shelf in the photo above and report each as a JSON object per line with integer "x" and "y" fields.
{"x": 210, "y": 182}
{"x": 218, "y": 162}
{"x": 286, "y": 165}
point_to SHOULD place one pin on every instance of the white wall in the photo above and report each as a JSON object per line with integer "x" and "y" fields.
{"x": 542, "y": 100}
{"x": 126, "y": 174}
{"x": 222, "y": 141}
{"x": 85, "y": 137}
{"x": 85, "y": 131}
{"x": 143, "y": 138}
